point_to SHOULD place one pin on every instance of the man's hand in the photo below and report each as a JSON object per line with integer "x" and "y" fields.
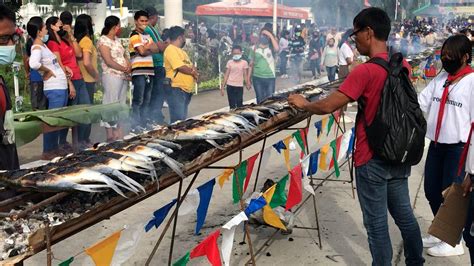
{"x": 467, "y": 185}
{"x": 297, "y": 101}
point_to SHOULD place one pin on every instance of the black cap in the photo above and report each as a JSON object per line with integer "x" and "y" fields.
{"x": 151, "y": 11}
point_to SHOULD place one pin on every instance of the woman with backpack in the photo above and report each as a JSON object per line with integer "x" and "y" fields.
{"x": 447, "y": 101}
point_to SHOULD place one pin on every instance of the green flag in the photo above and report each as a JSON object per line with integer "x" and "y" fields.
{"x": 183, "y": 261}
{"x": 241, "y": 173}
{"x": 299, "y": 139}
{"x": 279, "y": 197}
{"x": 334, "y": 157}
{"x": 67, "y": 262}
{"x": 330, "y": 123}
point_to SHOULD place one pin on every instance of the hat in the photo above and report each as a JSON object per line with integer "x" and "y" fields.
{"x": 151, "y": 11}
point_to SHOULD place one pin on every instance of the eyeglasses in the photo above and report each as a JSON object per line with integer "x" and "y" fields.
{"x": 354, "y": 34}
{"x": 5, "y": 39}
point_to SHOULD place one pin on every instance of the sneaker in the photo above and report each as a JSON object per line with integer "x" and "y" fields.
{"x": 445, "y": 250}
{"x": 430, "y": 241}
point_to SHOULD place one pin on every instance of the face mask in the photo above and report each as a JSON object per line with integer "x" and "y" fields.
{"x": 237, "y": 57}
{"x": 62, "y": 33}
{"x": 298, "y": 34}
{"x": 45, "y": 38}
{"x": 264, "y": 40}
{"x": 7, "y": 54}
{"x": 451, "y": 66}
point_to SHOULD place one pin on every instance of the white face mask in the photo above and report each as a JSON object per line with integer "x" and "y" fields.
{"x": 7, "y": 54}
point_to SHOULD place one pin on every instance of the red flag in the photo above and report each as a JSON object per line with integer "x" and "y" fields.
{"x": 295, "y": 194}
{"x": 304, "y": 133}
{"x": 209, "y": 248}
{"x": 250, "y": 165}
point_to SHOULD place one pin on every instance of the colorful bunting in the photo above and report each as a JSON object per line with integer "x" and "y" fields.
{"x": 183, "y": 261}
{"x": 224, "y": 176}
{"x": 295, "y": 194}
{"x": 159, "y": 216}
{"x": 305, "y": 168}
{"x": 319, "y": 128}
{"x": 323, "y": 159}
{"x": 228, "y": 236}
{"x": 286, "y": 152}
{"x": 67, "y": 262}
{"x": 269, "y": 216}
{"x": 237, "y": 187}
{"x": 324, "y": 122}
{"x": 330, "y": 124}
{"x": 103, "y": 251}
{"x": 205, "y": 194}
{"x": 299, "y": 139}
{"x": 334, "y": 158}
{"x": 255, "y": 205}
{"x": 209, "y": 248}
{"x": 351, "y": 142}
{"x": 190, "y": 203}
{"x": 128, "y": 243}
{"x": 250, "y": 165}
{"x": 313, "y": 163}
{"x": 279, "y": 197}
{"x": 279, "y": 146}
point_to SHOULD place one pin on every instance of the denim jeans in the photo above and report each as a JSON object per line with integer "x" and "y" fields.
{"x": 56, "y": 99}
{"x": 178, "y": 102}
{"x": 90, "y": 91}
{"x": 158, "y": 96}
{"x": 142, "y": 87}
{"x": 441, "y": 171}
{"x": 315, "y": 66}
{"x": 331, "y": 73}
{"x": 468, "y": 238}
{"x": 82, "y": 97}
{"x": 264, "y": 87}
{"x": 381, "y": 186}
{"x": 235, "y": 96}
{"x": 283, "y": 62}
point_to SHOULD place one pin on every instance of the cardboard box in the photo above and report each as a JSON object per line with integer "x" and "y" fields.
{"x": 449, "y": 222}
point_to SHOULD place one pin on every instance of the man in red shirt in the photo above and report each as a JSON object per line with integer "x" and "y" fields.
{"x": 380, "y": 186}
{"x": 8, "y": 39}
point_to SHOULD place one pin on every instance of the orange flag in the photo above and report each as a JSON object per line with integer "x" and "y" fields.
{"x": 269, "y": 216}
{"x": 103, "y": 251}
{"x": 323, "y": 161}
{"x": 224, "y": 177}
{"x": 286, "y": 152}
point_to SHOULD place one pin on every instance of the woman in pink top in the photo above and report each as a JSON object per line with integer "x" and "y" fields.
{"x": 237, "y": 70}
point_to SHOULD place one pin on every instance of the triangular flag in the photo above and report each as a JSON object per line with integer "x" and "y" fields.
{"x": 255, "y": 205}
{"x": 305, "y": 168}
{"x": 190, "y": 203}
{"x": 313, "y": 163}
{"x": 299, "y": 139}
{"x": 205, "y": 194}
{"x": 330, "y": 123}
{"x": 334, "y": 158}
{"x": 351, "y": 142}
{"x": 323, "y": 164}
{"x": 286, "y": 152}
{"x": 337, "y": 116}
{"x": 209, "y": 248}
{"x": 250, "y": 165}
{"x": 237, "y": 187}
{"x": 159, "y": 216}
{"x": 279, "y": 197}
{"x": 279, "y": 146}
{"x": 67, "y": 262}
{"x": 103, "y": 251}
{"x": 304, "y": 135}
{"x": 324, "y": 123}
{"x": 128, "y": 243}
{"x": 228, "y": 236}
{"x": 224, "y": 176}
{"x": 346, "y": 139}
{"x": 269, "y": 216}
{"x": 295, "y": 194}
{"x": 319, "y": 128}
{"x": 183, "y": 261}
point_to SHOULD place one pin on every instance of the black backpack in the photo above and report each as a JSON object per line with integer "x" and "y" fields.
{"x": 397, "y": 133}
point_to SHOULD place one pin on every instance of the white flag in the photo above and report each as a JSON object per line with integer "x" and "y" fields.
{"x": 228, "y": 236}
{"x": 344, "y": 145}
{"x": 128, "y": 243}
{"x": 190, "y": 203}
{"x": 305, "y": 167}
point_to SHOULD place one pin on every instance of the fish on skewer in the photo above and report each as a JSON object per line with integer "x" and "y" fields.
{"x": 234, "y": 118}
{"x": 256, "y": 115}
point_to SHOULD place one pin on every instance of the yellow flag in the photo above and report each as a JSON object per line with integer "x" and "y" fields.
{"x": 269, "y": 216}
{"x": 121, "y": 8}
{"x": 286, "y": 152}
{"x": 324, "y": 123}
{"x": 103, "y": 251}
{"x": 224, "y": 177}
{"x": 323, "y": 165}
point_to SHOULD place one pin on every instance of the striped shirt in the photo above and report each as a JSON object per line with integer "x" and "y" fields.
{"x": 141, "y": 65}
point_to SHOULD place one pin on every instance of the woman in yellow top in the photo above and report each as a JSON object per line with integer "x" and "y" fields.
{"x": 84, "y": 34}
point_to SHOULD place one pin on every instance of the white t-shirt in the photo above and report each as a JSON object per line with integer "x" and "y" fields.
{"x": 44, "y": 57}
{"x": 459, "y": 110}
{"x": 344, "y": 52}
{"x": 470, "y": 158}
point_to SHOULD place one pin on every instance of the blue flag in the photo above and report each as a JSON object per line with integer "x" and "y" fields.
{"x": 279, "y": 146}
{"x": 313, "y": 163}
{"x": 351, "y": 142}
{"x": 255, "y": 205}
{"x": 205, "y": 193}
{"x": 319, "y": 127}
{"x": 159, "y": 216}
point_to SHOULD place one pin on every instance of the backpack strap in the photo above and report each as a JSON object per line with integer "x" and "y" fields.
{"x": 379, "y": 61}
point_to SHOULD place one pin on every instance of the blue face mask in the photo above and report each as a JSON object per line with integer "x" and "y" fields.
{"x": 45, "y": 38}
{"x": 7, "y": 54}
{"x": 237, "y": 57}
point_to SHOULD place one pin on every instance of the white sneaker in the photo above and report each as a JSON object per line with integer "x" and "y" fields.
{"x": 430, "y": 241}
{"x": 445, "y": 250}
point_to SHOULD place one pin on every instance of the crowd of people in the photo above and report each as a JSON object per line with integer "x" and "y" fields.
{"x": 63, "y": 66}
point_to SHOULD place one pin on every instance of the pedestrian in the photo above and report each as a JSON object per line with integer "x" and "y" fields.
{"x": 296, "y": 46}
{"x": 84, "y": 34}
{"x": 447, "y": 101}
{"x": 236, "y": 73}
{"x": 284, "y": 52}
{"x": 329, "y": 59}
{"x": 141, "y": 48}
{"x": 262, "y": 65}
{"x": 116, "y": 69}
{"x": 55, "y": 81}
{"x": 380, "y": 185}
{"x": 157, "y": 93}
{"x": 315, "y": 52}
{"x": 181, "y": 75}
{"x": 37, "y": 98}
{"x": 345, "y": 55}
{"x": 8, "y": 41}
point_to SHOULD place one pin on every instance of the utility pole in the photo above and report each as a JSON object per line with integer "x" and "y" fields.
{"x": 275, "y": 6}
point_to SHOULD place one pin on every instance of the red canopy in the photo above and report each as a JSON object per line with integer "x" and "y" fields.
{"x": 255, "y": 8}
